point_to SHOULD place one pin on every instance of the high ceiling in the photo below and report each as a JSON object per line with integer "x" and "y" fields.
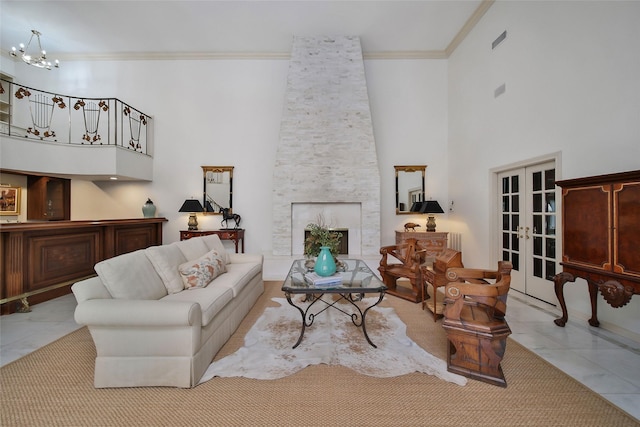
{"x": 112, "y": 29}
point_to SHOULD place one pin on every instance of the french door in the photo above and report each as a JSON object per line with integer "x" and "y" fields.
{"x": 527, "y": 227}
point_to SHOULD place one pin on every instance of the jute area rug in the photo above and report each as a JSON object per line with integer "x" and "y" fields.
{"x": 54, "y": 387}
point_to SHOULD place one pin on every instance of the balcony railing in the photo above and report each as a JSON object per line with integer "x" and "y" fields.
{"x": 35, "y": 114}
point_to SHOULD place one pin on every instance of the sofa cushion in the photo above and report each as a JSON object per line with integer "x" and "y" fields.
{"x": 131, "y": 276}
{"x": 165, "y": 260}
{"x": 199, "y": 273}
{"x": 193, "y": 249}
{"x": 212, "y": 299}
{"x": 238, "y": 275}
{"x": 213, "y": 242}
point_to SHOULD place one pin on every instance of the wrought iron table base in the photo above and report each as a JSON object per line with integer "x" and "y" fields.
{"x": 358, "y": 318}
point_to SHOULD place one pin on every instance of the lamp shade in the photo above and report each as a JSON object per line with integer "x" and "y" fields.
{"x": 416, "y": 206}
{"x": 191, "y": 205}
{"x": 431, "y": 206}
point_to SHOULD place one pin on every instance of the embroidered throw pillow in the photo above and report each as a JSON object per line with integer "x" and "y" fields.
{"x": 199, "y": 273}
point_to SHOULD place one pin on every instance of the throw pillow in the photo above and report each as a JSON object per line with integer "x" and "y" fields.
{"x": 199, "y": 273}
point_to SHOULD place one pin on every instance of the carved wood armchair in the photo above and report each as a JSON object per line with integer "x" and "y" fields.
{"x": 410, "y": 256}
{"x": 475, "y": 305}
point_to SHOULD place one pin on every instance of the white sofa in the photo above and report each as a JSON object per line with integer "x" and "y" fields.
{"x": 148, "y": 329}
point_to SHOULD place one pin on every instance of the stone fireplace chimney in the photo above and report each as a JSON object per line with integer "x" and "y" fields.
{"x": 326, "y": 158}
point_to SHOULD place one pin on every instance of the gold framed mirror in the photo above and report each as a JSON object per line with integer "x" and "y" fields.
{"x": 217, "y": 191}
{"x": 409, "y": 187}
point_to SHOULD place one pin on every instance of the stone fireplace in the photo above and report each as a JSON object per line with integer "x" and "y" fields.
{"x": 326, "y": 161}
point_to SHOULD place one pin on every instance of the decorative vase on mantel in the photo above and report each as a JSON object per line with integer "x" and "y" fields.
{"x": 149, "y": 209}
{"x": 325, "y": 264}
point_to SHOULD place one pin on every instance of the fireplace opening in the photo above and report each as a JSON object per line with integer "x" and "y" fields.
{"x": 343, "y": 249}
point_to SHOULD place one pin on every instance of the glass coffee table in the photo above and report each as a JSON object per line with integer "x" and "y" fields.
{"x": 357, "y": 280}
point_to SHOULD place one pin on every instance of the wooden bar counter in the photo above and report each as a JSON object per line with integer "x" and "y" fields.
{"x": 41, "y": 260}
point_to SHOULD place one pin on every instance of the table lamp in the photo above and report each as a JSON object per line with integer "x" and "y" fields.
{"x": 415, "y": 207}
{"x": 431, "y": 207}
{"x": 192, "y": 206}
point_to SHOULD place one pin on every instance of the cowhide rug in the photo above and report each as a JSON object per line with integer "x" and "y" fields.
{"x": 332, "y": 339}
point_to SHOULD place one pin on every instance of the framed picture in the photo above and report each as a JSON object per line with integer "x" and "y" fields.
{"x": 9, "y": 200}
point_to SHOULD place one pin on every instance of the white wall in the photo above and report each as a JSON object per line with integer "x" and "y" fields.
{"x": 571, "y": 74}
{"x": 227, "y": 112}
{"x": 409, "y": 108}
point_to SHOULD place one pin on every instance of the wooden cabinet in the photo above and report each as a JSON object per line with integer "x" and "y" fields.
{"x": 434, "y": 242}
{"x": 235, "y": 234}
{"x": 48, "y": 199}
{"x": 601, "y": 230}
{"x": 41, "y": 260}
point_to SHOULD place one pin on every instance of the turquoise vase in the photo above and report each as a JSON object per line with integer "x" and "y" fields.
{"x": 325, "y": 264}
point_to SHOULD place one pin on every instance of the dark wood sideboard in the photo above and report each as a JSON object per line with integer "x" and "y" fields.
{"x": 41, "y": 260}
{"x": 601, "y": 231}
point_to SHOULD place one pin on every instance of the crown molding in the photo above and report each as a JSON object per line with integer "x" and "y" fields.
{"x": 468, "y": 26}
{"x": 171, "y": 56}
{"x": 408, "y": 54}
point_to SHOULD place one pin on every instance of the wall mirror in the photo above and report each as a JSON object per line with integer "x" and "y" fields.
{"x": 218, "y": 189}
{"x": 409, "y": 187}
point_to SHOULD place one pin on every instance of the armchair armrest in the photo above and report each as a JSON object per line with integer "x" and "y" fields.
{"x": 120, "y": 312}
{"x": 472, "y": 288}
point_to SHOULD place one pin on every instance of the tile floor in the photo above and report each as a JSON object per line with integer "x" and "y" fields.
{"x": 607, "y": 363}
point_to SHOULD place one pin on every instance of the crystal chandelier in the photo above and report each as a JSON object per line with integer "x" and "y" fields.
{"x": 39, "y": 61}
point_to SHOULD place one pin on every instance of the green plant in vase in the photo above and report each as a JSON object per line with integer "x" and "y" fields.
{"x": 320, "y": 235}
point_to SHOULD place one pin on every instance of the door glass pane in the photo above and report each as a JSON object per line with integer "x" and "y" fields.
{"x": 537, "y": 181}
{"x": 515, "y": 222}
{"x": 515, "y": 203}
{"x": 537, "y": 267}
{"x": 537, "y": 224}
{"x": 537, "y": 246}
{"x": 505, "y": 185}
{"x": 505, "y": 255}
{"x": 550, "y": 222}
{"x": 515, "y": 242}
{"x": 550, "y": 201}
{"x": 505, "y": 222}
{"x": 505, "y": 204}
{"x": 515, "y": 261}
{"x": 551, "y": 270}
{"x": 505, "y": 240}
{"x": 550, "y": 179}
{"x": 537, "y": 202}
{"x": 551, "y": 248}
{"x": 515, "y": 184}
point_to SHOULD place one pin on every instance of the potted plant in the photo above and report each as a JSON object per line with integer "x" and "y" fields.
{"x": 320, "y": 235}
{"x": 321, "y": 247}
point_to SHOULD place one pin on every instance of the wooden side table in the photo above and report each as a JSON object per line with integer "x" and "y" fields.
{"x": 235, "y": 234}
